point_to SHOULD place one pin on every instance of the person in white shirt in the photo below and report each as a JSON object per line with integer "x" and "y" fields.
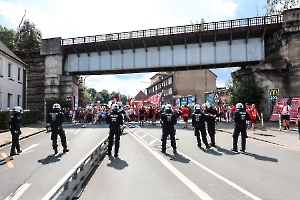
{"x": 285, "y": 115}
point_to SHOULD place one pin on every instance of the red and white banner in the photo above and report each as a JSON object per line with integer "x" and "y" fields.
{"x": 155, "y": 98}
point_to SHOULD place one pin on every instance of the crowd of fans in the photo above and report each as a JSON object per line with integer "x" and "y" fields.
{"x": 151, "y": 114}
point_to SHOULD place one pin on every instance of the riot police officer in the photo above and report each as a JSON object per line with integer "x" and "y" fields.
{"x": 198, "y": 122}
{"x": 55, "y": 120}
{"x": 15, "y": 130}
{"x": 115, "y": 121}
{"x": 240, "y": 117}
{"x": 168, "y": 121}
{"x": 211, "y": 122}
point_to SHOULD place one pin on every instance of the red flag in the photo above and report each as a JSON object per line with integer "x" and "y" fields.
{"x": 132, "y": 100}
{"x": 137, "y": 104}
{"x": 142, "y": 101}
{"x": 155, "y": 98}
{"x": 129, "y": 101}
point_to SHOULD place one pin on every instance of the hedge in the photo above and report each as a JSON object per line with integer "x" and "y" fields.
{"x": 28, "y": 117}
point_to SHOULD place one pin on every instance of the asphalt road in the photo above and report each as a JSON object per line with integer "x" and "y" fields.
{"x": 33, "y": 173}
{"x": 143, "y": 172}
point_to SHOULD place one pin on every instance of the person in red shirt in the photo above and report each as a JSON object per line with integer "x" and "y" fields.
{"x": 253, "y": 116}
{"x": 248, "y": 108}
{"x": 185, "y": 115}
{"x": 232, "y": 111}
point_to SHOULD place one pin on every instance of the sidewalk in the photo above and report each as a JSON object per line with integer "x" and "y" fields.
{"x": 27, "y": 131}
{"x": 269, "y": 133}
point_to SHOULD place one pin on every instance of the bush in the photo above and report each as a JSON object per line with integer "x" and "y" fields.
{"x": 28, "y": 117}
{"x": 4, "y": 119}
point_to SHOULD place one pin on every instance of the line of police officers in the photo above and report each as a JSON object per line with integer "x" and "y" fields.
{"x": 168, "y": 121}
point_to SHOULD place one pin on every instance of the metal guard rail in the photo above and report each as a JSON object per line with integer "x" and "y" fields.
{"x": 211, "y": 26}
{"x": 70, "y": 185}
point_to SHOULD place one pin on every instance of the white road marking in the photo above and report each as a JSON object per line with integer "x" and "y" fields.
{"x": 222, "y": 178}
{"x": 218, "y": 176}
{"x": 142, "y": 136}
{"x": 152, "y": 142}
{"x": 18, "y": 192}
{"x": 28, "y": 148}
{"x": 175, "y": 171}
{"x": 76, "y": 132}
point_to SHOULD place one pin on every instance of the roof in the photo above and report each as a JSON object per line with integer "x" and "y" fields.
{"x": 5, "y": 50}
{"x": 140, "y": 96}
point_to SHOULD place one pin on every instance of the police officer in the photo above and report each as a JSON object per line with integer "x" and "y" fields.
{"x": 198, "y": 122}
{"x": 168, "y": 121}
{"x": 240, "y": 117}
{"x": 115, "y": 121}
{"x": 15, "y": 130}
{"x": 55, "y": 119}
{"x": 211, "y": 122}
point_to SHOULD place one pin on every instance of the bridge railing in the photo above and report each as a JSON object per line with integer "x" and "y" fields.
{"x": 211, "y": 26}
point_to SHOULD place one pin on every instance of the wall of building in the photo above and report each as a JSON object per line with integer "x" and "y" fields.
{"x": 10, "y": 85}
{"x": 195, "y": 82}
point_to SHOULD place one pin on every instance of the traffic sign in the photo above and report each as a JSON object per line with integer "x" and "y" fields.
{"x": 274, "y": 93}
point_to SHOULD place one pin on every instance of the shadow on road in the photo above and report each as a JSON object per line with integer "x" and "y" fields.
{"x": 178, "y": 158}
{"x": 117, "y": 163}
{"x": 261, "y": 157}
{"x": 50, "y": 159}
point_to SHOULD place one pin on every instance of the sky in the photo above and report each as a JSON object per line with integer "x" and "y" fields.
{"x": 75, "y": 18}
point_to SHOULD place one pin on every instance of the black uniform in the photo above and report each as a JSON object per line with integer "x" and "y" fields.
{"x": 15, "y": 130}
{"x": 211, "y": 124}
{"x": 56, "y": 118}
{"x": 198, "y": 122}
{"x": 168, "y": 120}
{"x": 240, "y": 117}
{"x": 115, "y": 121}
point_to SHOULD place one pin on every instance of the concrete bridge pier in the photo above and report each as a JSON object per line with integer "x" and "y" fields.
{"x": 57, "y": 84}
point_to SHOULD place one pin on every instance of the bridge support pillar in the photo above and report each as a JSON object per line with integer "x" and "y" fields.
{"x": 57, "y": 85}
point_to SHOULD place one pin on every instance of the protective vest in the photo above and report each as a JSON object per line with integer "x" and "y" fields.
{"x": 198, "y": 117}
{"x": 241, "y": 117}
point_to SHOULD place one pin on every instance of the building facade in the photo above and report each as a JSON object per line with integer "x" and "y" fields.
{"x": 13, "y": 80}
{"x": 182, "y": 87}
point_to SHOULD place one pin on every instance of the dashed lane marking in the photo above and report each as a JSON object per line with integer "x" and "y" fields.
{"x": 152, "y": 142}
{"x": 18, "y": 193}
{"x": 7, "y": 160}
{"x": 76, "y": 132}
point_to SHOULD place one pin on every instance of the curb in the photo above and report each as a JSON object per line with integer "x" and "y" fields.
{"x": 22, "y": 138}
{"x": 255, "y": 138}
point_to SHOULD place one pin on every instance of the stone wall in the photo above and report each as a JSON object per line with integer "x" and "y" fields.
{"x": 35, "y": 79}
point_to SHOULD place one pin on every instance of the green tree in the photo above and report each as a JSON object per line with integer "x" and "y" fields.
{"x": 8, "y": 37}
{"x": 28, "y": 37}
{"x": 275, "y": 7}
{"x": 245, "y": 90}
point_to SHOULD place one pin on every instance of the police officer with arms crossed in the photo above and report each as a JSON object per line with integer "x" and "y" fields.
{"x": 55, "y": 119}
{"x": 15, "y": 130}
{"x": 211, "y": 115}
{"x": 115, "y": 121}
{"x": 198, "y": 122}
{"x": 240, "y": 117}
{"x": 168, "y": 120}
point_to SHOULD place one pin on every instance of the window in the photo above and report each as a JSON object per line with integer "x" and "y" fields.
{"x": 19, "y": 75}
{"x": 9, "y": 101}
{"x": 19, "y": 100}
{"x": 170, "y": 90}
{"x": 1, "y": 108}
{"x": 169, "y": 80}
{"x": 9, "y": 70}
{"x": 1, "y": 67}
